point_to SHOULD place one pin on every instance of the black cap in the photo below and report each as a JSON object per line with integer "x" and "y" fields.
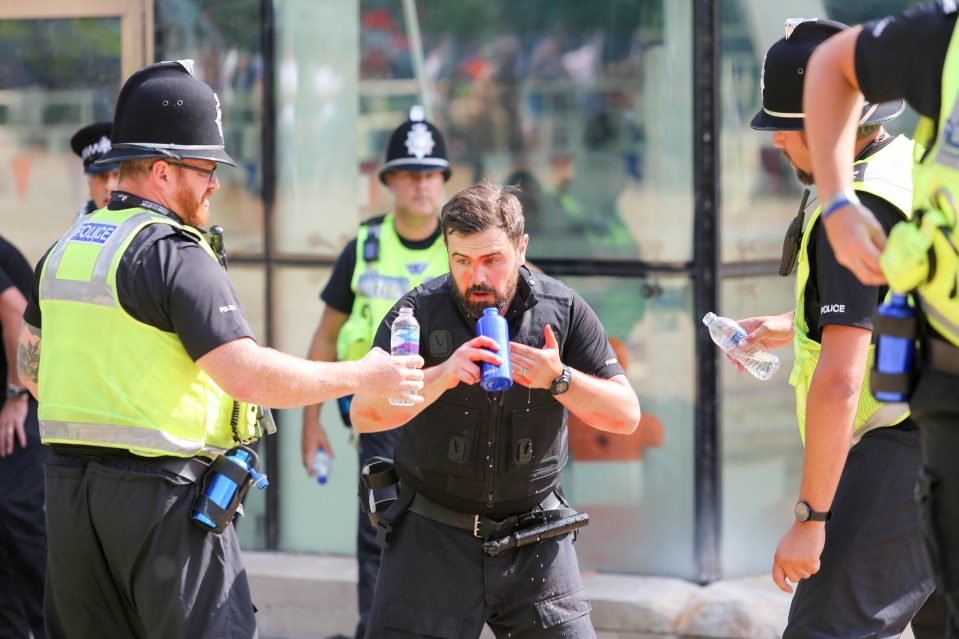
{"x": 784, "y": 69}
{"x": 164, "y": 111}
{"x": 417, "y": 146}
{"x": 90, "y": 143}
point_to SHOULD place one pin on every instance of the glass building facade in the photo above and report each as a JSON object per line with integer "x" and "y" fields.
{"x": 626, "y": 124}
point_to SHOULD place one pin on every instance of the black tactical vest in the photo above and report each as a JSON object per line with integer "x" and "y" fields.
{"x": 495, "y": 454}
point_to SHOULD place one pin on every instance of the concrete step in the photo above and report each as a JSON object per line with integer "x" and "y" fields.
{"x": 314, "y": 597}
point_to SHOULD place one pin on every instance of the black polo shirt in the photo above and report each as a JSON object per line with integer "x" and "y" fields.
{"x": 167, "y": 280}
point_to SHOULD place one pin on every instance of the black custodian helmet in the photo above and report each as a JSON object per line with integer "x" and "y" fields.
{"x": 784, "y": 69}
{"x": 90, "y": 143}
{"x": 417, "y": 146}
{"x": 164, "y": 111}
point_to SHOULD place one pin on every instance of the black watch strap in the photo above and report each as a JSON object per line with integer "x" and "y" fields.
{"x": 16, "y": 392}
{"x": 804, "y": 512}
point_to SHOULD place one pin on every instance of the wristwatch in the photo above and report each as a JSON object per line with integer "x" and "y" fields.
{"x": 15, "y": 392}
{"x": 804, "y": 512}
{"x": 561, "y": 384}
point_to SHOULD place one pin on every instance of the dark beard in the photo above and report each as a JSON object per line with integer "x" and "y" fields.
{"x": 806, "y": 179}
{"x": 474, "y": 310}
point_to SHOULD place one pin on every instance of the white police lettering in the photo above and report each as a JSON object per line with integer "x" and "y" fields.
{"x": 93, "y": 233}
{"x": 373, "y": 284}
{"x": 832, "y": 308}
{"x": 880, "y": 26}
{"x": 228, "y": 308}
{"x": 610, "y": 362}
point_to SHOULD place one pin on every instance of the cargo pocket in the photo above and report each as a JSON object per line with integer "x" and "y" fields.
{"x": 423, "y": 622}
{"x": 927, "y": 490}
{"x": 562, "y": 609}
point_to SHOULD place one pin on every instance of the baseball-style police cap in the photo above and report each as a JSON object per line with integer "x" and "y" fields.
{"x": 417, "y": 146}
{"x": 164, "y": 111}
{"x": 784, "y": 69}
{"x": 90, "y": 143}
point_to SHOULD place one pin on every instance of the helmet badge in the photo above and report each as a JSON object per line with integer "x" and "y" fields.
{"x": 219, "y": 115}
{"x": 419, "y": 140}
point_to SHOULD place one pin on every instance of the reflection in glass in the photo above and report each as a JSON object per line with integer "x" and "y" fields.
{"x": 588, "y": 110}
{"x": 761, "y": 451}
{"x": 223, "y": 38}
{"x": 55, "y": 77}
{"x": 639, "y": 488}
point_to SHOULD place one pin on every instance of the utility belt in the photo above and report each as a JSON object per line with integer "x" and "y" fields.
{"x": 551, "y": 518}
{"x": 223, "y": 482}
{"x": 191, "y": 469}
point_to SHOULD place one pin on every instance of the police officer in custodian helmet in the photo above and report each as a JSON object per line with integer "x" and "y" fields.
{"x": 148, "y": 371}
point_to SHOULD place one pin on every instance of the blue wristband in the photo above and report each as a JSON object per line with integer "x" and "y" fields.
{"x": 839, "y": 200}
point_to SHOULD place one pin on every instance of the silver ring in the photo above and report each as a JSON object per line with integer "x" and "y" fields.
{"x": 522, "y": 370}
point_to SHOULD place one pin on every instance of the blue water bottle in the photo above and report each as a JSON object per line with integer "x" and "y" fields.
{"x": 495, "y": 378}
{"x": 222, "y": 488}
{"x": 892, "y": 376}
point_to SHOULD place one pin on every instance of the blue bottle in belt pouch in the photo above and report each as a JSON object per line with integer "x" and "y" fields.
{"x": 222, "y": 489}
{"x": 895, "y": 350}
{"x": 495, "y": 378}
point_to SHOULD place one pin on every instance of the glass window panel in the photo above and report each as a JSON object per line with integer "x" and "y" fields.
{"x": 250, "y": 284}
{"x": 318, "y": 189}
{"x": 313, "y": 518}
{"x": 760, "y": 192}
{"x": 639, "y": 488}
{"x": 761, "y": 451}
{"x": 589, "y": 107}
{"x": 223, "y": 38}
{"x": 56, "y": 76}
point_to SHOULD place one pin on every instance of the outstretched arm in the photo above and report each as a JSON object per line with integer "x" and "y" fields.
{"x": 259, "y": 375}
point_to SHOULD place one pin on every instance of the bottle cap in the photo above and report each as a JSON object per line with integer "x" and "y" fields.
{"x": 708, "y": 318}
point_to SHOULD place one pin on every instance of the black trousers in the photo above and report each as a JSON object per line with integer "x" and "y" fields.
{"x": 23, "y": 539}
{"x": 873, "y": 577}
{"x": 124, "y": 560}
{"x": 935, "y": 405}
{"x": 367, "y": 550}
{"x": 436, "y": 581}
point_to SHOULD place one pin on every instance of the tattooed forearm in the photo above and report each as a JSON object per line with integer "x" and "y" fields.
{"x": 28, "y": 355}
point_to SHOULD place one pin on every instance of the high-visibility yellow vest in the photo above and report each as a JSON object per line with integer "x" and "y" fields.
{"x": 922, "y": 256}
{"x": 884, "y": 174}
{"x": 379, "y": 284}
{"x": 107, "y": 379}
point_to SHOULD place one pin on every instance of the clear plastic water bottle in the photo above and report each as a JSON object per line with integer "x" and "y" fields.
{"x": 727, "y": 334}
{"x": 404, "y": 340}
{"x": 321, "y": 465}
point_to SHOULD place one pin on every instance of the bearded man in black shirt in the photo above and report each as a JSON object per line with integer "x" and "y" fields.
{"x": 476, "y": 465}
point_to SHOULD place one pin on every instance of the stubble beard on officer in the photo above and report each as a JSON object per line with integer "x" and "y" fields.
{"x": 485, "y": 269}
{"x": 101, "y": 186}
{"x": 794, "y": 148}
{"x": 417, "y": 198}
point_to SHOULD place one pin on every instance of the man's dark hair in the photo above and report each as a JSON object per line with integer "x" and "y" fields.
{"x": 482, "y": 207}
